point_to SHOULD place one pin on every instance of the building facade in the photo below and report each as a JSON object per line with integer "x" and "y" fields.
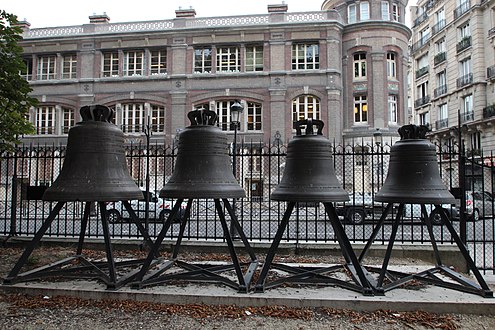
{"x": 345, "y": 64}
{"x": 453, "y": 68}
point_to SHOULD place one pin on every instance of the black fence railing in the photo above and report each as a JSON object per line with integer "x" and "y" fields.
{"x": 361, "y": 168}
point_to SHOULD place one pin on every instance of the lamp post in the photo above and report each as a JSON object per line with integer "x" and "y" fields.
{"x": 378, "y": 138}
{"x": 235, "y": 115}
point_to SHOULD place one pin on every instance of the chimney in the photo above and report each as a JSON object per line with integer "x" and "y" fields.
{"x": 99, "y": 19}
{"x": 282, "y": 8}
{"x": 185, "y": 13}
{"x": 24, "y": 25}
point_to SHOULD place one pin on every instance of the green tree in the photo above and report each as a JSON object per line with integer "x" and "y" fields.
{"x": 14, "y": 90}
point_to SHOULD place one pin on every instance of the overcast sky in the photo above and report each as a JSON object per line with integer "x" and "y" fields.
{"x": 49, "y": 13}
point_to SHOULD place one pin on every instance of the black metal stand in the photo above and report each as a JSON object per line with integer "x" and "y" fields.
{"x": 388, "y": 280}
{"x": 154, "y": 269}
{"x": 360, "y": 280}
{"x": 78, "y": 266}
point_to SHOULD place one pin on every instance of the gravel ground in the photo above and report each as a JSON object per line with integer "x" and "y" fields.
{"x": 38, "y": 312}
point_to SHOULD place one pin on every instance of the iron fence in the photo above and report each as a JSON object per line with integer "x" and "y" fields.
{"x": 360, "y": 167}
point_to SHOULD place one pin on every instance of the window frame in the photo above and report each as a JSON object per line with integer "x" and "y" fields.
{"x": 360, "y": 109}
{"x": 305, "y": 105}
{"x": 305, "y": 56}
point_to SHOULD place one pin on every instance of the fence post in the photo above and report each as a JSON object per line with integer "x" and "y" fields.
{"x": 13, "y": 206}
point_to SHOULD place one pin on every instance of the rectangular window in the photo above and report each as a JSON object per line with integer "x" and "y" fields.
{"x": 360, "y": 109}
{"x": 45, "y": 120}
{"x": 305, "y": 56}
{"x": 69, "y": 120}
{"x": 424, "y": 118}
{"x": 391, "y": 66}
{"x": 464, "y": 31}
{"x": 228, "y": 59}
{"x": 157, "y": 119}
{"x": 392, "y": 109}
{"x": 465, "y": 67}
{"x": 385, "y": 11}
{"x": 133, "y": 118}
{"x": 158, "y": 62}
{"x": 133, "y": 63}
{"x": 440, "y": 46}
{"x": 467, "y": 102}
{"x": 110, "y": 67}
{"x": 47, "y": 69}
{"x": 443, "y": 112}
{"x": 360, "y": 66}
{"x": 223, "y": 112}
{"x": 202, "y": 60}
{"x": 351, "y": 14}
{"x": 254, "y": 116}
{"x": 27, "y": 73}
{"x": 364, "y": 10}
{"x": 395, "y": 12}
{"x": 69, "y": 67}
{"x": 254, "y": 58}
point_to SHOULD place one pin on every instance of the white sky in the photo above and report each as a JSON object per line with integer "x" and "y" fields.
{"x": 50, "y": 13}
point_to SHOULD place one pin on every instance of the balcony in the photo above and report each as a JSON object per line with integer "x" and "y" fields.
{"x": 463, "y": 44}
{"x": 463, "y": 8}
{"x": 440, "y": 91}
{"x": 490, "y": 72}
{"x": 438, "y": 27}
{"x": 491, "y": 32}
{"x": 489, "y": 111}
{"x": 465, "y": 80}
{"x": 421, "y": 101}
{"x": 439, "y": 58}
{"x": 442, "y": 123}
{"x": 467, "y": 116}
{"x": 420, "y": 19}
{"x": 421, "y": 72}
{"x": 421, "y": 42}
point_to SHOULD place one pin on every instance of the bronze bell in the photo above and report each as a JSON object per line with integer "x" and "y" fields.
{"x": 309, "y": 175}
{"x": 202, "y": 168}
{"x": 95, "y": 167}
{"x": 413, "y": 174}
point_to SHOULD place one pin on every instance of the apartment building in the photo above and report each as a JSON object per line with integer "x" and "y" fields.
{"x": 345, "y": 64}
{"x": 453, "y": 68}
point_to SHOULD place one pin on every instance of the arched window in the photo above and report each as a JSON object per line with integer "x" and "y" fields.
{"x": 305, "y": 106}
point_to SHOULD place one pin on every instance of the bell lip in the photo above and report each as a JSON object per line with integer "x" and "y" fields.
{"x": 308, "y": 198}
{"x": 91, "y": 198}
{"x": 202, "y": 194}
{"x": 416, "y": 200}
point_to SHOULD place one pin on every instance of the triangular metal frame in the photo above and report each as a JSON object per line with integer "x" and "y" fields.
{"x": 154, "y": 270}
{"x": 78, "y": 266}
{"x": 398, "y": 279}
{"x": 317, "y": 275}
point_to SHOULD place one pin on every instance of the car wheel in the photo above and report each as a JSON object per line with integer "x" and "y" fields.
{"x": 355, "y": 216}
{"x": 164, "y": 215}
{"x": 436, "y": 218}
{"x": 114, "y": 216}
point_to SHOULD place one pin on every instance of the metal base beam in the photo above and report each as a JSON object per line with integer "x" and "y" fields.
{"x": 359, "y": 277}
{"x": 388, "y": 280}
{"x": 78, "y": 266}
{"x": 158, "y": 274}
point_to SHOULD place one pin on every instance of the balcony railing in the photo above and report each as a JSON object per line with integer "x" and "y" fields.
{"x": 439, "y": 58}
{"x": 490, "y": 72}
{"x": 489, "y": 111}
{"x": 420, "y": 19}
{"x": 467, "y": 116}
{"x": 463, "y": 8}
{"x": 465, "y": 80}
{"x": 438, "y": 27}
{"x": 421, "y": 72}
{"x": 440, "y": 90}
{"x": 421, "y": 101}
{"x": 463, "y": 44}
{"x": 491, "y": 32}
{"x": 421, "y": 42}
{"x": 442, "y": 123}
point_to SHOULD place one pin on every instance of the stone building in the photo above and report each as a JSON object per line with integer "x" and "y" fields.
{"x": 345, "y": 64}
{"x": 453, "y": 67}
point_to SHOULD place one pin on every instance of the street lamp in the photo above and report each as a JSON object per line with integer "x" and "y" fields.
{"x": 235, "y": 116}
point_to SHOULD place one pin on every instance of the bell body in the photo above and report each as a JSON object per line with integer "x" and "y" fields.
{"x": 203, "y": 167}
{"x": 413, "y": 175}
{"x": 309, "y": 175}
{"x": 95, "y": 167}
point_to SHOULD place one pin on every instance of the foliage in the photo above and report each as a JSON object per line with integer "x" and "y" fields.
{"x": 14, "y": 90}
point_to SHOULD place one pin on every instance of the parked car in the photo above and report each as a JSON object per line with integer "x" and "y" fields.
{"x": 159, "y": 209}
{"x": 414, "y": 211}
{"x": 358, "y": 208}
{"x": 479, "y": 205}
